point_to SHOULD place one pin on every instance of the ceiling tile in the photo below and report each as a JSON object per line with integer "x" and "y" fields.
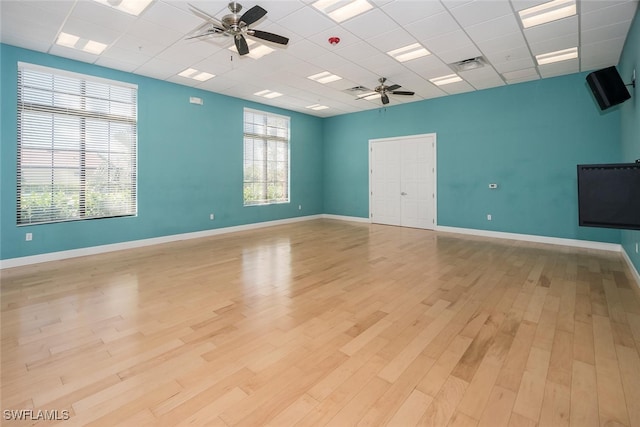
{"x": 493, "y": 29}
{"x": 513, "y": 64}
{"x": 447, "y": 42}
{"x": 159, "y": 69}
{"x": 135, "y": 44}
{"x": 154, "y": 44}
{"x": 370, "y": 24}
{"x": 480, "y": 11}
{"x": 559, "y": 68}
{"x": 461, "y": 54}
{"x": 552, "y": 30}
{"x": 621, "y": 12}
{"x": 519, "y": 5}
{"x": 521, "y": 75}
{"x": 187, "y": 51}
{"x": 36, "y": 44}
{"x": 357, "y": 51}
{"x": 103, "y": 15}
{"x": 606, "y": 51}
{"x": 405, "y": 12}
{"x": 428, "y": 66}
{"x": 615, "y": 31}
{"x": 392, "y": 40}
{"x": 503, "y": 43}
{"x": 459, "y": 87}
{"x": 91, "y": 31}
{"x": 76, "y": 54}
{"x": 147, "y": 30}
{"x": 306, "y": 22}
{"x": 169, "y": 16}
{"x": 433, "y": 26}
{"x": 117, "y": 64}
{"x": 590, "y": 6}
{"x": 276, "y": 10}
{"x": 554, "y": 45}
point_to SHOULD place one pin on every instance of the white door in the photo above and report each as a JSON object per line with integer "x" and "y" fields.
{"x": 402, "y": 181}
{"x": 387, "y": 204}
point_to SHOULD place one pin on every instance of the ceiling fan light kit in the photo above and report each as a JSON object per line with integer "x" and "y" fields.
{"x": 236, "y": 26}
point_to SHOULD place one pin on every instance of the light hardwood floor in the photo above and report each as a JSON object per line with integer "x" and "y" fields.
{"x": 326, "y": 323}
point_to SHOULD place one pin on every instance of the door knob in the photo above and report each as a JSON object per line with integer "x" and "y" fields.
{"x": 403, "y": 194}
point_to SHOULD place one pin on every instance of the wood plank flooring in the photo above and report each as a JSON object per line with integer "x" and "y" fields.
{"x": 324, "y": 323}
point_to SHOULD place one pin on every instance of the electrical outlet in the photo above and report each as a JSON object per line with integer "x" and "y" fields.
{"x": 299, "y": 207}
{"x": 212, "y": 217}
{"x": 636, "y": 247}
{"x": 28, "y": 237}
{"x": 488, "y": 217}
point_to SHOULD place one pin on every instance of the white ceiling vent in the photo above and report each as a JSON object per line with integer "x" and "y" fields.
{"x": 357, "y": 89}
{"x": 468, "y": 64}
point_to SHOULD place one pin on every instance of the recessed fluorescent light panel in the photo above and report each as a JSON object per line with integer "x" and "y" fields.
{"x": 557, "y": 56}
{"x": 317, "y": 107}
{"x": 256, "y": 50}
{"x": 132, "y": 7}
{"x": 75, "y": 42}
{"x": 341, "y": 10}
{"x": 324, "y": 77}
{"x": 408, "y": 53}
{"x": 194, "y": 74}
{"x": 547, "y": 12}
{"x": 268, "y": 94}
{"x": 445, "y": 80}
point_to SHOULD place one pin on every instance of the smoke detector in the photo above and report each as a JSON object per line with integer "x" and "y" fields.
{"x": 468, "y": 64}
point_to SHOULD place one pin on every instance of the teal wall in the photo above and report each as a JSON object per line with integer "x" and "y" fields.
{"x": 630, "y": 112}
{"x": 527, "y": 137}
{"x": 189, "y": 165}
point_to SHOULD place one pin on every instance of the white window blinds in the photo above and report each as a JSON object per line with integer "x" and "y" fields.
{"x": 77, "y": 143}
{"x": 266, "y": 158}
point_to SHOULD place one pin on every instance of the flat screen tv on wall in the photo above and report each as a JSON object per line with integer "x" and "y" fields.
{"x": 609, "y": 195}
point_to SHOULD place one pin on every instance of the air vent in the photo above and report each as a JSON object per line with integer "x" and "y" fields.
{"x": 468, "y": 64}
{"x": 357, "y": 89}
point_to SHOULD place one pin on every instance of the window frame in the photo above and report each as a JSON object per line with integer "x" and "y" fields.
{"x": 267, "y": 139}
{"x": 30, "y": 107}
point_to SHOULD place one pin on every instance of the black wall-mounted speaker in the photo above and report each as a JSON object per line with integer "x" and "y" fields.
{"x": 608, "y": 88}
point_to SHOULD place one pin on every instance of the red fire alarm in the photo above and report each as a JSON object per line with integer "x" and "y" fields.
{"x": 334, "y": 40}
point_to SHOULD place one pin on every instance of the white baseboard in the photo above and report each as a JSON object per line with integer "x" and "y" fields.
{"x": 95, "y": 250}
{"x": 347, "y": 218}
{"x": 615, "y": 247}
{"x": 634, "y": 272}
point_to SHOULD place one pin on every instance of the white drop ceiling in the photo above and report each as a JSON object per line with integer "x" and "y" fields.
{"x": 154, "y": 44}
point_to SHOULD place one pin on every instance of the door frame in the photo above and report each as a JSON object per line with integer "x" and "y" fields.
{"x": 435, "y": 170}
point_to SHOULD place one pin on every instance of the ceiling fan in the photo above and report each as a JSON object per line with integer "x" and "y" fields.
{"x": 385, "y": 90}
{"x": 236, "y": 26}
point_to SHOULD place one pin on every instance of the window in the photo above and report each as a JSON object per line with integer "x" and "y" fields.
{"x": 266, "y": 158}
{"x": 77, "y": 140}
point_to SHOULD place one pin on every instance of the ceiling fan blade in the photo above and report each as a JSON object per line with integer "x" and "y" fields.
{"x": 201, "y": 13}
{"x": 241, "y": 44}
{"x": 252, "y": 15}
{"x": 385, "y": 98}
{"x": 207, "y": 29}
{"x": 197, "y": 36}
{"x": 393, "y": 87}
{"x": 402, "y": 92}
{"x": 268, "y": 36}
